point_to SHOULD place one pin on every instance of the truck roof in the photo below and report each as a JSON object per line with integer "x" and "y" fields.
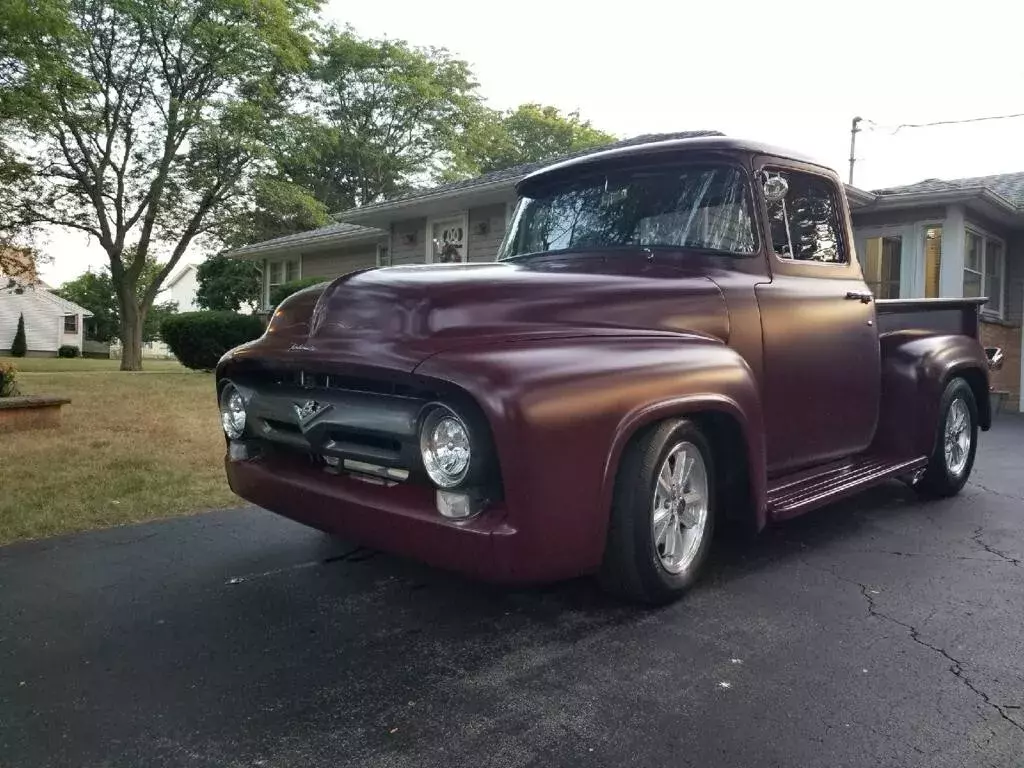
{"x": 698, "y": 144}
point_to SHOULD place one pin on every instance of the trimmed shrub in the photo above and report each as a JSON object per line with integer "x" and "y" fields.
{"x": 8, "y": 380}
{"x": 68, "y": 350}
{"x": 19, "y": 346}
{"x": 199, "y": 339}
{"x": 281, "y": 292}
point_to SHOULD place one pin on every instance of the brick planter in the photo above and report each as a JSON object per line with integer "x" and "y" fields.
{"x": 18, "y": 413}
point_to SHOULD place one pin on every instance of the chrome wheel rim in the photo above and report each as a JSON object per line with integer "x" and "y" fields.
{"x": 957, "y": 441}
{"x": 679, "y": 511}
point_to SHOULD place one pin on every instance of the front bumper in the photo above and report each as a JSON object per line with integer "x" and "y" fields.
{"x": 401, "y": 518}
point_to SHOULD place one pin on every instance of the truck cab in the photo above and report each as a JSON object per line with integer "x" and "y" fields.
{"x": 675, "y": 337}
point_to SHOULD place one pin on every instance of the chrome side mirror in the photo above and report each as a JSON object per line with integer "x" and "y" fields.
{"x": 995, "y": 358}
{"x": 775, "y": 188}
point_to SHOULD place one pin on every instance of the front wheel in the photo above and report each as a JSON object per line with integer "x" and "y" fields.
{"x": 662, "y": 516}
{"x": 956, "y": 443}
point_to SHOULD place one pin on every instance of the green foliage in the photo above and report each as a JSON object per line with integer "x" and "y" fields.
{"x": 95, "y": 291}
{"x": 200, "y": 339}
{"x": 8, "y": 380}
{"x": 19, "y": 346}
{"x": 68, "y": 350}
{"x": 530, "y": 133}
{"x": 143, "y": 124}
{"x": 228, "y": 284}
{"x": 382, "y": 117}
{"x": 281, "y": 292}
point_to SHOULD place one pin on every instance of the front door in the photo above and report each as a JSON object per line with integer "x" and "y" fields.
{"x": 447, "y": 241}
{"x": 821, "y": 380}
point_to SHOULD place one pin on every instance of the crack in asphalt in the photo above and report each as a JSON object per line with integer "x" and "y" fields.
{"x": 357, "y": 555}
{"x": 976, "y": 538}
{"x": 993, "y": 491}
{"x": 939, "y": 556}
{"x": 956, "y": 666}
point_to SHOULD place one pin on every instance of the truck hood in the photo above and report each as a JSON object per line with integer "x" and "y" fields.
{"x": 399, "y": 316}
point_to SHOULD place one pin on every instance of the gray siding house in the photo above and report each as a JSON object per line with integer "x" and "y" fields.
{"x": 936, "y": 238}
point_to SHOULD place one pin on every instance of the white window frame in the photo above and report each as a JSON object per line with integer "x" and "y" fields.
{"x": 428, "y": 256}
{"x": 910, "y": 257}
{"x": 73, "y": 331}
{"x": 384, "y": 258}
{"x": 268, "y": 267}
{"x": 996, "y": 304}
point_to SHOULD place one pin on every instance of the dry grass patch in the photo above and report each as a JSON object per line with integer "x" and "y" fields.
{"x": 132, "y": 447}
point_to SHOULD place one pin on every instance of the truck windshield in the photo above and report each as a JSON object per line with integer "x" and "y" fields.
{"x": 704, "y": 207}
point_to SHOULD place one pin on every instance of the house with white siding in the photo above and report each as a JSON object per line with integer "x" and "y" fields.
{"x": 50, "y": 321}
{"x": 181, "y": 288}
{"x": 936, "y": 238}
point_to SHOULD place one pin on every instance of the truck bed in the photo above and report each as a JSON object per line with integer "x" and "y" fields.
{"x": 935, "y": 316}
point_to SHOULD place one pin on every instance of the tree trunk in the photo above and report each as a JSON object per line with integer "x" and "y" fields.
{"x": 131, "y": 337}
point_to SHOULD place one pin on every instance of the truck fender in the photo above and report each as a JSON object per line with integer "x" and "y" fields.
{"x": 722, "y": 396}
{"x": 915, "y": 371}
{"x": 562, "y": 410}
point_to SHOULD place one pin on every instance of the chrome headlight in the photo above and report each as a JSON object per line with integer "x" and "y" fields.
{"x": 446, "y": 447}
{"x": 232, "y": 412}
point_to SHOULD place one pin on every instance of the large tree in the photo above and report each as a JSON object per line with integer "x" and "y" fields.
{"x": 144, "y": 123}
{"x": 377, "y": 118}
{"x": 530, "y": 133}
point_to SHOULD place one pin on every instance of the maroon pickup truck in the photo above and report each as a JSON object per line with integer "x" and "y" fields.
{"x": 675, "y": 337}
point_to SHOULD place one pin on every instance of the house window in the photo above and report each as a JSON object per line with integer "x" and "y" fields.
{"x": 932, "y": 261}
{"x": 280, "y": 272}
{"x": 70, "y": 323}
{"x": 984, "y": 269}
{"x": 383, "y": 256}
{"x": 882, "y": 265}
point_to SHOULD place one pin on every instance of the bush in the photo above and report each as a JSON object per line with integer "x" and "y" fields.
{"x": 19, "y": 346}
{"x": 8, "y": 380}
{"x": 68, "y": 350}
{"x": 199, "y": 339}
{"x": 281, "y": 292}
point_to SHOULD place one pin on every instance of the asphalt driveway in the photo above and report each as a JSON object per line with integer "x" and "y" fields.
{"x": 883, "y": 632}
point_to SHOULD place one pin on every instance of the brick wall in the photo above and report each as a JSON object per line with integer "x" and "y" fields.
{"x": 1007, "y": 337}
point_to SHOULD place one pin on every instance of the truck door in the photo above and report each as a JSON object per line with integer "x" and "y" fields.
{"x": 821, "y": 381}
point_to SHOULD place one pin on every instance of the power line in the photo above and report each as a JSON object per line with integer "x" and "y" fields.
{"x": 873, "y": 126}
{"x": 896, "y": 129}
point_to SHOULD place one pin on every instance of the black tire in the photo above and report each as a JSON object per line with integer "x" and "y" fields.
{"x": 632, "y": 566}
{"x": 939, "y": 481}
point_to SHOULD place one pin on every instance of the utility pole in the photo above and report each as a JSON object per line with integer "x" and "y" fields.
{"x": 854, "y": 130}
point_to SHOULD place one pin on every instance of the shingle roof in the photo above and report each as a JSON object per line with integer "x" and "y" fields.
{"x": 1007, "y": 185}
{"x": 331, "y": 232}
{"x": 517, "y": 171}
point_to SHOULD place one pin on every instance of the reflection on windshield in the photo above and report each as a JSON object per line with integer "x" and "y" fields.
{"x": 706, "y": 207}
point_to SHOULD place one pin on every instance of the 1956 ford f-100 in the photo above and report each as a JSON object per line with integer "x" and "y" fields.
{"x": 674, "y": 337}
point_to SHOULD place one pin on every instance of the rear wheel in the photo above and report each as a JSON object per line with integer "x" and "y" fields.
{"x": 956, "y": 443}
{"x": 662, "y": 515}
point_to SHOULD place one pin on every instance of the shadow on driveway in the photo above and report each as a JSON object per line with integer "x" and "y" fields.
{"x": 239, "y": 638}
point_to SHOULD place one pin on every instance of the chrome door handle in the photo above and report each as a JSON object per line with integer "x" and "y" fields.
{"x": 861, "y": 296}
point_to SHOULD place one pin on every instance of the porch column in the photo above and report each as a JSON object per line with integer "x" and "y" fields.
{"x": 951, "y": 270}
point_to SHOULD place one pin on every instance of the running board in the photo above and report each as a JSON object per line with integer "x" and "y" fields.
{"x": 793, "y": 495}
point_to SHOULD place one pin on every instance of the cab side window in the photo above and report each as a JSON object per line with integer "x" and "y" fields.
{"x": 805, "y": 225}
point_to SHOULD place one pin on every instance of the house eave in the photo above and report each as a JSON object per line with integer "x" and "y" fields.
{"x": 305, "y": 245}
{"x": 383, "y": 213}
{"x": 981, "y": 199}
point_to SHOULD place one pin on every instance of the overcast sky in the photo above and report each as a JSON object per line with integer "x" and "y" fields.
{"x": 785, "y": 72}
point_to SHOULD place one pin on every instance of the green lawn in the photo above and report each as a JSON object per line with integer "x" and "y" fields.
{"x": 132, "y": 447}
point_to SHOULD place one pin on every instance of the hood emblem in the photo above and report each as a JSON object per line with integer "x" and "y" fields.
{"x": 309, "y": 410}
{"x": 301, "y": 348}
